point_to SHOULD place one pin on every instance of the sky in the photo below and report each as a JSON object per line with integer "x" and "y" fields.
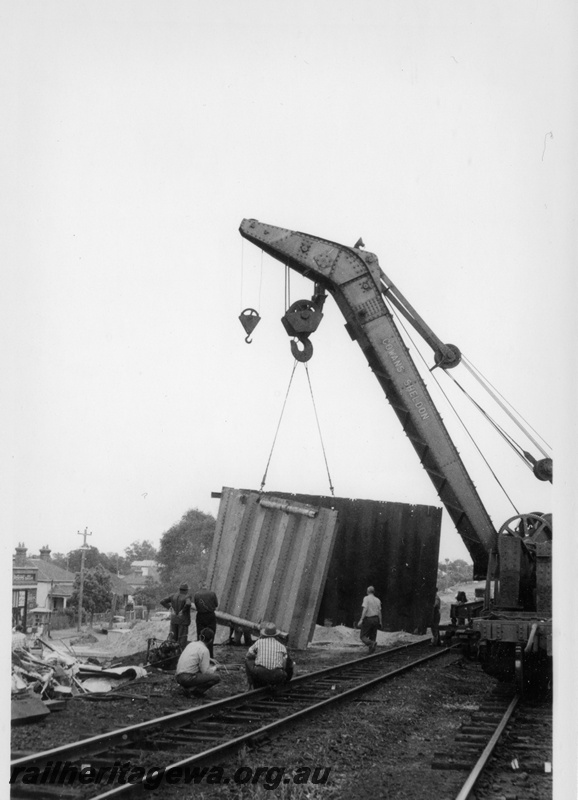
{"x": 144, "y": 133}
{"x": 137, "y": 137}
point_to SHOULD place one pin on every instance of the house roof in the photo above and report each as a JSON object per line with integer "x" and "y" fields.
{"x": 118, "y": 585}
{"x": 143, "y": 563}
{"x": 135, "y": 579}
{"x": 61, "y": 590}
{"x": 47, "y": 571}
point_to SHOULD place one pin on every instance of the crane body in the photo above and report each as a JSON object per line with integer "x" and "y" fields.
{"x": 513, "y": 634}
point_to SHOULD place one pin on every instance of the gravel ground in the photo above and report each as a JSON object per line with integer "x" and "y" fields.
{"x": 379, "y": 746}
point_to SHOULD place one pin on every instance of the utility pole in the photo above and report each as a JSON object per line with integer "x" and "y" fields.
{"x": 83, "y": 549}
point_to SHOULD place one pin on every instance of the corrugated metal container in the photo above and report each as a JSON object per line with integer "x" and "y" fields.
{"x": 392, "y": 546}
{"x": 269, "y": 560}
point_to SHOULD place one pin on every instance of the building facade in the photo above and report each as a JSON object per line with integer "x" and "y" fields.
{"x": 38, "y": 587}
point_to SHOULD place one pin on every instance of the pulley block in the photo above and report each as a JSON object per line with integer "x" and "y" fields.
{"x": 249, "y": 319}
{"x": 300, "y": 320}
{"x": 302, "y": 317}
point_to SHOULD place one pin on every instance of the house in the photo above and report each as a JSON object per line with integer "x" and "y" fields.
{"x": 38, "y": 586}
{"x": 120, "y": 589}
{"x": 142, "y": 573}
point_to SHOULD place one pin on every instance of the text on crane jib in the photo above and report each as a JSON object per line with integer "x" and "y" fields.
{"x": 410, "y": 386}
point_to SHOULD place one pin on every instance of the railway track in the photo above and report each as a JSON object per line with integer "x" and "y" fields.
{"x": 506, "y": 749}
{"x": 202, "y": 735}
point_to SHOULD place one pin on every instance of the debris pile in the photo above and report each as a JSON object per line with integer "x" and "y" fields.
{"x": 43, "y": 678}
{"x": 49, "y": 674}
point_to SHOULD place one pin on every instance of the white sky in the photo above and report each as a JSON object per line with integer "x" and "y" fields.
{"x": 141, "y": 133}
{"x": 145, "y": 132}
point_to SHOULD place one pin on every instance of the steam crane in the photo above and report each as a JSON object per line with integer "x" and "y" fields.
{"x": 360, "y": 288}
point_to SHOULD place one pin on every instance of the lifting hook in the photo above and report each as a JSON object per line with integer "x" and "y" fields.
{"x": 307, "y": 351}
{"x": 249, "y": 319}
{"x": 300, "y": 320}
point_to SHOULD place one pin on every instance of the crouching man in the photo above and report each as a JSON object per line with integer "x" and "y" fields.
{"x": 194, "y": 671}
{"x": 267, "y": 662}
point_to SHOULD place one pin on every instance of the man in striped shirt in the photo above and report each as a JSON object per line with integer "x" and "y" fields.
{"x": 267, "y": 661}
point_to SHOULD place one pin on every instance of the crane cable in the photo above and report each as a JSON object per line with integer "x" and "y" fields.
{"x": 319, "y": 429}
{"x": 242, "y": 284}
{"x": 502, "y": 402}
{"x": 498, "y": 481}
{"x": 516, "y": 447}
{"x": 263, "y": 480}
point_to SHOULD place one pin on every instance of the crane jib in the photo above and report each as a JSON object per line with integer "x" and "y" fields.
{"x": 353, "y": 277}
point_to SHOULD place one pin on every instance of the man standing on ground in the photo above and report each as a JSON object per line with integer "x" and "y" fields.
{"x": 370, "y": 619}
{"x": 206, "y": 604}
{"x": 435, "y": 620}
{"x": 267, "y": 661}
{"x": 194, "y": 671}
{"x": 179, "y": 605}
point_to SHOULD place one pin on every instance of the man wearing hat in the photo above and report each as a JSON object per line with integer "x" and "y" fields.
{"x": 267, "y": 661}
{"x": 194, "y": 671}
{"x": 179, "y": 605}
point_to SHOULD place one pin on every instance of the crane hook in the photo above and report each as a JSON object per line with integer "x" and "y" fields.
{"x": 249, "y": 319}
{"x": 307, "y": 351}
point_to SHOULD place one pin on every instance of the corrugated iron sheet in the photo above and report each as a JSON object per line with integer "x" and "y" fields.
{"x": 270, "y": 563}
{"x": 392, "y": 546}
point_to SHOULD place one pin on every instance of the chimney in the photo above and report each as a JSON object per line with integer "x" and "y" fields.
{"x": 45, "y": 553}
{"x": 20, "y": 560}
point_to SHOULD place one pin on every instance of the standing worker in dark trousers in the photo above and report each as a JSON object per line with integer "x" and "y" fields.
{"x": 370, "y": 619}
{"x": 206, "y": 604}
{"x": 435, "y": 620}
{"x": 179, "y": 605}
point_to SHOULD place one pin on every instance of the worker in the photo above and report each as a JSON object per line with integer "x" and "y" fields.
{"x": 179, "y": 605}
{"x": 206, "y": 604}
{"x": 194, "y": 670}
{"x": 370, "y": 620}
{"x": 435, "y": 620}
{"x": 19, "y": 640}
{"x": 238, "y": 632}
{"x": 267, "y": 661}
{"x": 461, "y": 597}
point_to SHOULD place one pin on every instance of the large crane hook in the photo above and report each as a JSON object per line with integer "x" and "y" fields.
{"x": 300, "y": 320}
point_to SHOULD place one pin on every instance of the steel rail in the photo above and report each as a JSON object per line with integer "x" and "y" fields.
{"x": 232, "y": 744}
{"x": 480, "y": 765}
{"x": 122, "y": 736}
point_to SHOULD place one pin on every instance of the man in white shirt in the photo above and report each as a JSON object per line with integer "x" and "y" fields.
{"x": 267, "y": 661}
{"x": 370, "y": 619}
{"x": 194, "y": 671}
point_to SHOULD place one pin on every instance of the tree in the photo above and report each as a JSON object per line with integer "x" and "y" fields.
{"x": 453, "y": 572}
{"x": 141, "y": 551}
{"x": 92, "y": 559}
{"x": 149, "y": 595}
{"x": 97, "y": 592}
{"x": 185, "y": 547}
